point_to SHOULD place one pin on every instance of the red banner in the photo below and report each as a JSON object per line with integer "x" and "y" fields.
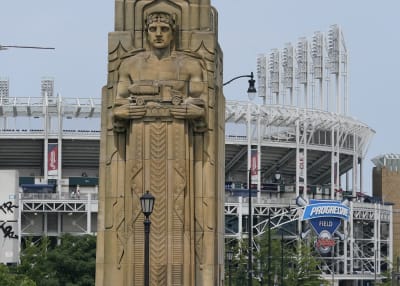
{"x": 52, "y": 159}
{"x": 254, "y": 167}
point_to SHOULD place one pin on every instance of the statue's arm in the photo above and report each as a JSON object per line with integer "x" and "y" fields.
{"x": 123, "y": 109}
{"x": 123, "y": 82}
{"x": 197, "y": 81}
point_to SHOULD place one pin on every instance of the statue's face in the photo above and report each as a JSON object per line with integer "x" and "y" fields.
{"x": 160, "y": 35}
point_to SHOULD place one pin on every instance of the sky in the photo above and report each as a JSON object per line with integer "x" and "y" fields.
{"x": 78, "y": 31}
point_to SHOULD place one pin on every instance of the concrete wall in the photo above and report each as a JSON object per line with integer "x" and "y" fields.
{"x": 9, "y": 242}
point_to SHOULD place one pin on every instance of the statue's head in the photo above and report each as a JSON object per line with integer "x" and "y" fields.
{"x": 160, "y": 17}
{"x": 160, "y": 30}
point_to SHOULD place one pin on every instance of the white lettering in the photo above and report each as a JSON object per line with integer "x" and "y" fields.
{"x": 329, "y": 210}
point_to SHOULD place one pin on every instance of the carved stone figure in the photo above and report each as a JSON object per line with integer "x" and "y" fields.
{"x": 162, "y": 131}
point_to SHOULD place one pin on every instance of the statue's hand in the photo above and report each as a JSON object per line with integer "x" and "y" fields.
{"x": 129, "y": 111}
{"x": 187, "y": 110}
{"x": 195, "y": 101}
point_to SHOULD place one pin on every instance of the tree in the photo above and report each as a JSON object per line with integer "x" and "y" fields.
{"x": 11, "y": 279}
{"x": 300, "y": 262}
{"x": 386, "y": 276}
{"x": 71, "y": 263}
{"x": 239, "y": 264}
{"x": 304, "y": 267}
{"x": 34, "y": 259}
{"x": 263, "y": 259}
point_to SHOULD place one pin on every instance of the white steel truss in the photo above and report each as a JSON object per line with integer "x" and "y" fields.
{"x": 361, "y": 250}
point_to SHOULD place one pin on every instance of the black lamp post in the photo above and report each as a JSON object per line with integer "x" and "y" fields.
{"x": 147, "y": 204}
{"x": 251, "y": 91}
{"x": 269, "y": 274}
{"x": 281, "y": 258}
{"x": 229, "y": 256}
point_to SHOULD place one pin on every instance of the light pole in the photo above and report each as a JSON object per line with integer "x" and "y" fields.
{"x": 229, "y": 255}
{"x": 251, "y": 91}
{"x": 281, "y": 258}
{"x": 250, "y": 256}
{"x": 277, "y": 178}
{"x": 375, "y": 265}
{"x": 333, "y": 265}
{"x": 269, "y": 248}
{"x": 147, "y": 204}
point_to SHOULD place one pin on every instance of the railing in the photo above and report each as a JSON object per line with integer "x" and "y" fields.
{"x": 57, "y": 196}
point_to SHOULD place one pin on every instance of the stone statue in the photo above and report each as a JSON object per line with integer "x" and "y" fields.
{"x": 167, "y": 82}
{"x": 163, "y": 132}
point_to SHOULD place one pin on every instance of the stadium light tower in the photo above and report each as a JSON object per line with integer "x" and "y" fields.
{"x": 262, "y": 77}
{"x": 273, "y": 68}
{"x": 287, "y": 65}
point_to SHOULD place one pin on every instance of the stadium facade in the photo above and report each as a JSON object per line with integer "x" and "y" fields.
{"x": 298, "y": 155}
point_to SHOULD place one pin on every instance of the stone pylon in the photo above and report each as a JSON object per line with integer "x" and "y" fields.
{"x": 163, "y": 132}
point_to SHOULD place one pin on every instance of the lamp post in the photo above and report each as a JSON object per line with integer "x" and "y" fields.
{"x": 250, "y": 256}
{"x": 281, "y": 258}
{"x": 147, "y": 204}
{"x": 251, "y": 91}
{"x": 375, "y": 265}
{"x": 229, "y": 256}
{"x": 269, "y": 248}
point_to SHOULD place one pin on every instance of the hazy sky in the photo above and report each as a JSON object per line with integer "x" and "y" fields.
{"x": 78, "y": 30}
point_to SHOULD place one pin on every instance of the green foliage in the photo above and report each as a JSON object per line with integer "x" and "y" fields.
{"x": 386, "y": 276}
{"x": 12, "y": 279}
{"x": 300, "y": 263}
{"x": 269, "y": 257}
{"x": 71, "y": 263}
{"x": 238, "y": 264}
{"x": 305, "y": 270}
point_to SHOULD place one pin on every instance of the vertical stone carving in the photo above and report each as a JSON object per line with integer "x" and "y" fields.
{"x": 162, "y": 131}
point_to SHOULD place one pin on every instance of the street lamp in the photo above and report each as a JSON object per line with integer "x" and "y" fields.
{"x": 281, "y": 258}
{"x": 147, "y": 204}
{"x": 251, "y": 92}
{"x": 278, "y": 175}
{"x": 269, "y": 249}
{"x": 229, "y": 256}
{"x": 278, "y": 178}
{"x": 250, "y": 256}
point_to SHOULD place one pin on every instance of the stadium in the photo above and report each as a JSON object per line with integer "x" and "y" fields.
{"x": 293, "y": 162}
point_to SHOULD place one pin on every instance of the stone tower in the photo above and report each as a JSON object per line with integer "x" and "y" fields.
{"x": 163, "y": 132}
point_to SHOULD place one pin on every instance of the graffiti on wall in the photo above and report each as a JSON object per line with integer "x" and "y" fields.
{"x": 8, "y": 230}
{"x": 5, "y": 227}
{"x": 8, "y": 207}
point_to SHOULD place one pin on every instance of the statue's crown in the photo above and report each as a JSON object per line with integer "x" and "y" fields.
{"x": 160, "y": 17}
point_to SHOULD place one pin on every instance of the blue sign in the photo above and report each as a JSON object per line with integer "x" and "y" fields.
{"x": 325, "y": 217}
{"x": 325, "y": 209}
{"x": 328, "y": 224}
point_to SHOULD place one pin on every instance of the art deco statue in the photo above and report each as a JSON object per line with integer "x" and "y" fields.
{"x": 163, "y": 132}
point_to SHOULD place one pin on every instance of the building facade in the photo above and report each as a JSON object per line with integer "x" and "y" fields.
{"x": 58, "y": 177}
{"x": 386, "y": 180}
{"x": 295, "y": 152}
